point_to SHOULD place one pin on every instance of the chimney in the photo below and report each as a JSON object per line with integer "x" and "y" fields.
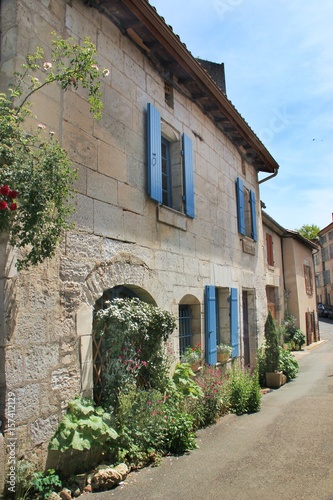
{"x": 216, "y": 72}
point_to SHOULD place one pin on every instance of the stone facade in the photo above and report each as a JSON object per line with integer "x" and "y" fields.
{"x": 122, "y": 237}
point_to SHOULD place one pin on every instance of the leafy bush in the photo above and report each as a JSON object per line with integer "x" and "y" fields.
{"x": 43, "y": 484}
{"x": 291, "y": 334}
{"x": 192, "y": 354}
{"x": 83, "y": 426}
{"x": 298, "y": 340}
{"x": 245, "y": 395}
{"x": 183, "y": 379}
{"x": 215, "y": 402}
{"x": 150, "y": 424}
{"x": 288, "y": 364}
{"x": 272, "y": 345}
{"x": 133, "y": 334}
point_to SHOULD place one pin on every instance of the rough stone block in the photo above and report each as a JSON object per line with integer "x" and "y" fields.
{"x": 27, "y": 403}
{"x": 43, "y": 429}
{"x": 39, "y": 362}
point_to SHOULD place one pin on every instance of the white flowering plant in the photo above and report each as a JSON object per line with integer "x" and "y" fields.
{"x": 224, "y": 349}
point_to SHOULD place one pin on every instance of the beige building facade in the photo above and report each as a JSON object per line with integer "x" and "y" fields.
{"x": 324, "y": 265}
{"x": 194, "y": 247}
{"x": 290, "y": 276}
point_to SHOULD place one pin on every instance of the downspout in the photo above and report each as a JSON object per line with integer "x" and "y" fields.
{"x": 285, "y": 291}
{"x": 269, "y": 177}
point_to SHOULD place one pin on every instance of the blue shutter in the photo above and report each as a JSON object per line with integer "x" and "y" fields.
{"x": 234, "y": 321}
{"x": 188, "y": 176}
{"x": 253, "y": 215}
{"x": 240, "y": 206}
{"x": 154, "y": 153}
{"x": 210, "y": 320}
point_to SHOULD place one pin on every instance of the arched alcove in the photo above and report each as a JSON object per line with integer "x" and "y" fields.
{"x": 189, "y": 322}
{"x": 119, "y": 291}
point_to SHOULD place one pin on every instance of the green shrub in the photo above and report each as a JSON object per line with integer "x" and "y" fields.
{"x": 43, "y": 484}
{"x": 261, "y": 364}
{"x": 183, "y": 379}
{"x": 82, "y": 426}
{"x": 254, "y": 397}
{"x": 215, "y": 401}
{"x": 288, "y": 364}
{"x": 151, "y": 424}
{"x": 272, "y": 345}
{"x": 133, "y": 334}
{"x": 298, "y": 340}
{"x": 245, "y": 395}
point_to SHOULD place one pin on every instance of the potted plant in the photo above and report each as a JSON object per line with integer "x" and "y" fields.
{"x": 192, "y": 356}
{"x": 223, "y": 352}
{"x": 274, "y": 377}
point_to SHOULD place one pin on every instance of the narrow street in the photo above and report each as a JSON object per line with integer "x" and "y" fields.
{"x": 284, "y": 452}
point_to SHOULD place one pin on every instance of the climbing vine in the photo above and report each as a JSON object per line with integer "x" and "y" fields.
{"x": 36, "y": 176}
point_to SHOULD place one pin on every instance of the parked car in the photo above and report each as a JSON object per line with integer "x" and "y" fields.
{"x": 330, "y": 313}
{"x": 325, "y": 310}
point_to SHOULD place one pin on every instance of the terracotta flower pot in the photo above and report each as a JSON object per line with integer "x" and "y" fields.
{"x": 222, "y": 357}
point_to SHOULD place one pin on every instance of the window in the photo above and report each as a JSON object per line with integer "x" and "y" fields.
{"x": 168, "y": 94}
{"x": 246, "y": 211}
{"x": 308, "y": 279}
{"x": 327, "y": 277}
{"x": 330, "y": 251}
{"x": 170, "y": 167}
{"x": 166, "y": 173}
{"x": 185, "y": 328}
{"x": 269, "y": 249}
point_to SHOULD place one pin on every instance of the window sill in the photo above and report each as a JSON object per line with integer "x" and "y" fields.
{"x": 249, "y": 246}
{"x": 171, "y": 217}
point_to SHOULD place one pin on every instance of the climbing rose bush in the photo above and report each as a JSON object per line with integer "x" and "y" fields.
{"x": 35, "y": 170}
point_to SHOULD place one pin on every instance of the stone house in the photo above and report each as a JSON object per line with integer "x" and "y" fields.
{"x": 290, "y": 276}
{"x": 324, "y": 265}
{"x": 167, "y": 209}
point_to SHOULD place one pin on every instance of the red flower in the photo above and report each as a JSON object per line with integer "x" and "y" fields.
{"x": 13, "y": 194}
{"x": 5, "y": 190}
{"x": 3, "y": 205}
{"x": 13, "y": 207}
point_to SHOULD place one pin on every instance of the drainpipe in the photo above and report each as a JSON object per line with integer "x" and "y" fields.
{"x": 269, "y": 177}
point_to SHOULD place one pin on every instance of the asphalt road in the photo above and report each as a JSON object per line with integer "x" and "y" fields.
{"x": 284, "y": 452}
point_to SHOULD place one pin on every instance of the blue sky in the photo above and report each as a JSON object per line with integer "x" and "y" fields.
{"x": 278, "y": 58}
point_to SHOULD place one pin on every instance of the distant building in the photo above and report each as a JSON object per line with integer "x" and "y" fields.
{"x": 290, "y": 276}
{"x": 324, "y": 265}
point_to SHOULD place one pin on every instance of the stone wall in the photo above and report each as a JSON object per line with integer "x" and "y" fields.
{"x": 121, "y": 237}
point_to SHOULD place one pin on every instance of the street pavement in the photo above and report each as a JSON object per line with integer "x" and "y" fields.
{"x": 284, "y": 452}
